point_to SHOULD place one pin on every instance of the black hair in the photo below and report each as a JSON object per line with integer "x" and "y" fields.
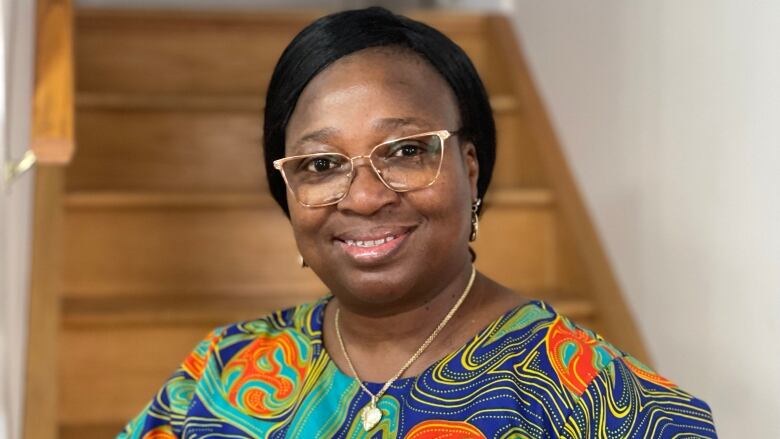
{"x": 335, "y": 36}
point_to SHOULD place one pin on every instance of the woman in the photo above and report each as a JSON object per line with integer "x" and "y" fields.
{"x": 379, "y": 145}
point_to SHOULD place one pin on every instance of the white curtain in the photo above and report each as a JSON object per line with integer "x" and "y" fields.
{"x": 15, "y": 208}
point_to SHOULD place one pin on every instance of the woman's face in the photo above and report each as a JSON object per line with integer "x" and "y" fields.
{"x": 377, "y": 246}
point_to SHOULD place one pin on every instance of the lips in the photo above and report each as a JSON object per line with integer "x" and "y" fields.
{"x": 373, "y": 246}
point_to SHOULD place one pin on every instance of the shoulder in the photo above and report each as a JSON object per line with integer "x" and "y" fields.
{"x": 284, "y": 339}
{"x": 606, "y": 389}
{"x": 296, "y": 329}
{"x": 576, "y": 354}
{"x": 304, "y": 318}
{"x": 571, "y": 355}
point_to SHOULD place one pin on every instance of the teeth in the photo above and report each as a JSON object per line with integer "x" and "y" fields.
{"x": 370, "y": 243}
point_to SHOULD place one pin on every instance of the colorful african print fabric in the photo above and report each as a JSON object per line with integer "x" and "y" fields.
{"x": 530, "y": 374}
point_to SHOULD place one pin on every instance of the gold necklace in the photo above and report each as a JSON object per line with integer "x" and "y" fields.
{"x": 371, "y": 414}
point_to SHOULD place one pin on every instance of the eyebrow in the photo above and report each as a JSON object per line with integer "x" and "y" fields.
{"x": 323, "y": 135}
{"x": 398, "y": 122}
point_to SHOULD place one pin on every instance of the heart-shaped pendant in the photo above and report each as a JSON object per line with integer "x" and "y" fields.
{"x": 371, "y": 415}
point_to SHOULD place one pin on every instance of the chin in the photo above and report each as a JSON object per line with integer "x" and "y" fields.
{"x": 380, "y": 285}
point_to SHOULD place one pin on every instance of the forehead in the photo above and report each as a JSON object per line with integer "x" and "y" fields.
{"x": 356, "y": 93}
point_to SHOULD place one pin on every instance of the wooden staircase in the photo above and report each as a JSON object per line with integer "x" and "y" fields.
{"x": 168, "y": 229}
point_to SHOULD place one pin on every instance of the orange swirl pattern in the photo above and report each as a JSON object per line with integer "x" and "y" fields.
{"x": 439, "y": 429}
{"x": 576, "y": 356}
{"x": 646, "y": 374}
{"x": 194, "y": 364}
{"x": 162, "y": 432}
{"x": 196, "y": 360}
{"x": 273, "y": 362}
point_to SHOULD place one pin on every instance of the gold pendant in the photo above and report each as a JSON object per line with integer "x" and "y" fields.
{"x": 370, "y": 415}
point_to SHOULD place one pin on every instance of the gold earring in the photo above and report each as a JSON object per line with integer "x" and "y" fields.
{"x": 301, "y": 262}
{"x": 475, "y": 220}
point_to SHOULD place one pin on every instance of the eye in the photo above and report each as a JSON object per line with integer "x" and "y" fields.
{"x": 407, "y": 149}
{"x": 320, "y": 164}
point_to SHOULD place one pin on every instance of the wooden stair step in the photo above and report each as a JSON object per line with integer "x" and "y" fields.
{"x": 518, "y": 244}
{"x": 86, "y": 101}
{"x": 91, "y": 431}
{"x": 186, "y": 53}
{"x": 169, "y": 200}
{"x": 206, "y": 239}
{"x": 218, "y": 309}
{"x": 168, "y": 150}
{"x": 179, "y": 309}
{"x": 215, "y": 144}
{"x": 498, "y": 198}
{"x": 115, "y": 371}
{"x": 519, "y": 197}
{"x": 196, "y": 52}
{"x": 182, "y": 248}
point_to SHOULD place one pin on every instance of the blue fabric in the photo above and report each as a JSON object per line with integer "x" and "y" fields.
{"x": 532, "y": 373}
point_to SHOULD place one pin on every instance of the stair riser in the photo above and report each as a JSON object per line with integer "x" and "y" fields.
{"x": 218, "y": 151}
{"x": 115, "y": 372}
{"x": 517, "y": 247}
{"x": 168, "y": 151}
{"x": 127, "y": 251}
{"x": 172, "y": 59}
{"x": 198, "y": 54}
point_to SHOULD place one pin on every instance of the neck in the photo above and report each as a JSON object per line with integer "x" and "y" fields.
{"x": 405, "y": 326}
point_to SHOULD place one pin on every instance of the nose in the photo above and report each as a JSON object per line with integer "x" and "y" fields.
{"x": 367, "y": 194}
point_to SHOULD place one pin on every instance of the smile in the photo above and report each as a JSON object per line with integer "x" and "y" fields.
{"x": 370, "y": 243}
{"x": 373, "y": 250}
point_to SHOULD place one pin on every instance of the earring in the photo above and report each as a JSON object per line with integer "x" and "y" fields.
{"x": 301, "y": 262}
{"x": 475, "y": 220}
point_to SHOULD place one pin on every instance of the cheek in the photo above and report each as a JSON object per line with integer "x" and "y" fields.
{"x": 306, "y": 223}
{"x": 455, "y": 181}
{"x": 448, "y": 202}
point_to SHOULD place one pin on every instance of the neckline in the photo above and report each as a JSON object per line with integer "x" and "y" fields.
{"x": 318, "y": 316}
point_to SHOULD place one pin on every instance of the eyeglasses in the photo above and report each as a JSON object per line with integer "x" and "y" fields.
{"x": 402, "y": 165}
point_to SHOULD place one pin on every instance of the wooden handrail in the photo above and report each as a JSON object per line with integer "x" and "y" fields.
{"x": 53, "y": 145}
{"x": 53, "y": 140}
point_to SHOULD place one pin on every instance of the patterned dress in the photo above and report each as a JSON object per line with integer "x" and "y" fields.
{"x": 530, "y": 374}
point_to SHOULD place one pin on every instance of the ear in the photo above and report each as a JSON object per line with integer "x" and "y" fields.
{"x": 469, "y": 153}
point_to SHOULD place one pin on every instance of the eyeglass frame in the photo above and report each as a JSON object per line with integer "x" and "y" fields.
{"x": 442, "y": 134}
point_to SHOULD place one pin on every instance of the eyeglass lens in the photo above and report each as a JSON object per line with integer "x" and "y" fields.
{"x": 403, "y": 165}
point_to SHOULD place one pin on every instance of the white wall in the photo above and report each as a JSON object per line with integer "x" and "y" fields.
{"x": 669, "y": 113}
{"x": 4, "y": 22}
{"x": 15, "y": 210}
